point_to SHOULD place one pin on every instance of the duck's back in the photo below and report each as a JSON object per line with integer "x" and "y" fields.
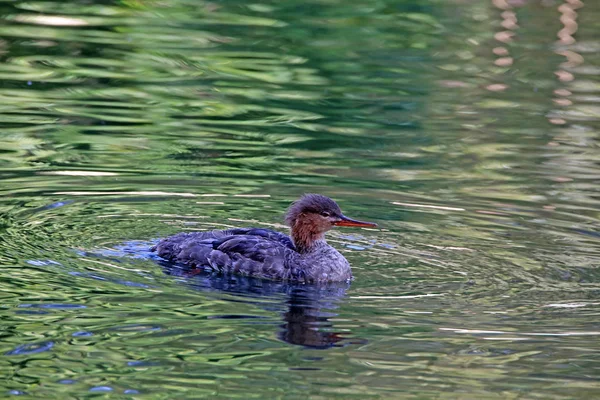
{"x": 247, "y": 251}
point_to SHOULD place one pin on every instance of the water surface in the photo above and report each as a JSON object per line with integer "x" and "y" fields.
{"x": 468, "y": 129}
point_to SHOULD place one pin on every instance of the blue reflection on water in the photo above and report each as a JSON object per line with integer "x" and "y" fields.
{"x": 101, "y": 389}
{"x": 82, "y": 334}
{"x": 50, "y": 305}
{"x": 31, "y": 348}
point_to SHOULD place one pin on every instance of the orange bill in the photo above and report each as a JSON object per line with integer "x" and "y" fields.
{"x": 345, "y": 221}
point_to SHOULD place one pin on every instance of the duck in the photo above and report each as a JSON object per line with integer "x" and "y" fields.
{"x": 302, "y": 257}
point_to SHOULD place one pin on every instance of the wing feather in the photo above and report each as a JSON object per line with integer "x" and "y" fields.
{"x": 248, "y": 251}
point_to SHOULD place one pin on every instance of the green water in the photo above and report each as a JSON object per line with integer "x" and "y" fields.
{"x": 469, "y": 130}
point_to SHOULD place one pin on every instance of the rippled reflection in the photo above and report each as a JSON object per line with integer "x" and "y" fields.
{"x": 306, "y": 309}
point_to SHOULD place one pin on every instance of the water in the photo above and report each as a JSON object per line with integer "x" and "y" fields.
{"x": 468, "y": 129}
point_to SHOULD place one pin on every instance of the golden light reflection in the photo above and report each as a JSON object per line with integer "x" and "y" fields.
{"x": 567, "y": 18}
{"x": 504, "y": 37}
{"x": 557, "y": 121}
{"x": 566, "y": 38}
{"x": 504, "y": 61}
{"x": 510, "y": 20}
{"x": 573, "y": 59}
{"x": 500, "y": 51}
{"x": 509, "y": 23}
{"x": 496, "y": 87}
{"x": 563, "y": 92}
{"x": 562, "y": 102}
{"x": 564, "y": 76}
{"x": 501, "y": 4}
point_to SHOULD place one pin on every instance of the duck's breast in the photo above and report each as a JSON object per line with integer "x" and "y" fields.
{"x": 326, "y": 264}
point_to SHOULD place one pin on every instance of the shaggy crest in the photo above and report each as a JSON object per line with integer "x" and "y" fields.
{"x": 311, "y": 203}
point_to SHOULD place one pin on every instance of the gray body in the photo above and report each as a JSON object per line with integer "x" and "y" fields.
{"x": 256, "y": 252}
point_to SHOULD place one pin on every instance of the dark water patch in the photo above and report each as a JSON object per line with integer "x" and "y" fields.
{"x": 31, "y": 312}
{"x": 304, "y": 369}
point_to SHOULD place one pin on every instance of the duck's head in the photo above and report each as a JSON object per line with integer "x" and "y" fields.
{"x": 313, "y": 214}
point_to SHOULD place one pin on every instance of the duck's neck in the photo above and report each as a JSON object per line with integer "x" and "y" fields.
{"x": 305, "y": 236}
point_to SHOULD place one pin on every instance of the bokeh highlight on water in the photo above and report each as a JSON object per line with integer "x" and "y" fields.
{"x": 468, "y": 129}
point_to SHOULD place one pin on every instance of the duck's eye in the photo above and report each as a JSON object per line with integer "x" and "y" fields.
{"x": 326, "y": 214}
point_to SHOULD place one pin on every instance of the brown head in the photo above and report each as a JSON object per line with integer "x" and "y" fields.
{"x": 312, "y": 215}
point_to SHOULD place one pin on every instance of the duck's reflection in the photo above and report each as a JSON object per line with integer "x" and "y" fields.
{"x": 306, "y": 321}
{"x": 306, "y": 308}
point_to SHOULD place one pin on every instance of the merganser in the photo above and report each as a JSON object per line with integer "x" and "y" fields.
{"x": 305, "y": 257}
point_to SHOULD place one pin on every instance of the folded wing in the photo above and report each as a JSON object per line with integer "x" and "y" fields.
{"x": 246, "y": 251}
